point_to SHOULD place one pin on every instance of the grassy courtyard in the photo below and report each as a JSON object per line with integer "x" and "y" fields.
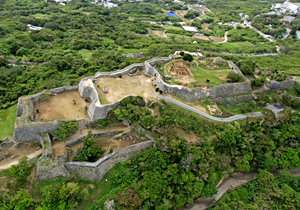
{"x": 7, "y": 121}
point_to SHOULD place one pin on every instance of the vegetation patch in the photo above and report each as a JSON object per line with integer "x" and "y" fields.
{"x": 7, "y": 121}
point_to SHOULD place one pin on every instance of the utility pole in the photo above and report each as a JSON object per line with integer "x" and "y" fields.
{"x": 240, "y": 50}
{"x": 256, "y": 50}
{"x": 221, "y": 48}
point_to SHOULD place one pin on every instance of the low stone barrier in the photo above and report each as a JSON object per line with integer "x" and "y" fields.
{"x": 94, "y": 135}
{"x": 97, "y": 170}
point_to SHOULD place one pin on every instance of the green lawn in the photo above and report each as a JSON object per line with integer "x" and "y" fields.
{"x": 201, "y": 75}
{"x": 172, "y": 27}
{"x": 39, "y": 15}
{"x": 125, "y": 51}
{"x": 7, "y": 121}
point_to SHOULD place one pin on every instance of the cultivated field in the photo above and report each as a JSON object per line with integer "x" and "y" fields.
{"x": 120, "y": 87}
{"x": 216, "y": 39}
{"x": 158, "y": 33}
{"x": 180, "y": 72}
{"x": 7, "y": 121}
{"x": 201, "y": 37}
{"x": 62, "y": 107}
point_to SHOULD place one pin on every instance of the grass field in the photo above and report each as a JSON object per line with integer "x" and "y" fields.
{"x": 172, "y": 27}
{"x": 215, "y": 76}
{"x": 237, "y": 44}
{"x": 7, "y": 121}
{"x": 39, "y": 15}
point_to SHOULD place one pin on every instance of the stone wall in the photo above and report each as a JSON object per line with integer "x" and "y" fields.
{"x": 94, "y": 135}
{"x": 27, "y": 130}
{"x": 47, "y": 167}
{"x": 196, "y": 94}
{"x": 287, "y": 84}
{"x": 97, "y": 170}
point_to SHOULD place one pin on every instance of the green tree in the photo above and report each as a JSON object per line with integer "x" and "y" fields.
{"x": 187, "y": 57}
{"x": 65, "y": 130}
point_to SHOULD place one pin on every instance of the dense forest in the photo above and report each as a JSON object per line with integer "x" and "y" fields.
{"x": 81, "y": 38}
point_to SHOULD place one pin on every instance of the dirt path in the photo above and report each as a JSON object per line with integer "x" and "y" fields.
{"x": 204, "y": 203}
{"x": 15, "y": 162}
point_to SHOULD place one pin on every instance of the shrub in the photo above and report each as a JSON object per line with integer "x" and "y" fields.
{"x": 90, "y": 149}
{"x": 234, "y": 77}
{"x": 65, "y": 130}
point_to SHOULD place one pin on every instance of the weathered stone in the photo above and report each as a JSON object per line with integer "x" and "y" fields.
{"x": 5, "y": 155}
{"x": 96, "y": 171}
{"x": 6, "y": 143}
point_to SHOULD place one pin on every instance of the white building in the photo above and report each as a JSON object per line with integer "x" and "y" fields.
{"x": 109, "y": 5}
{"x": 292, "y": 8}
{"x": 189, "y": 28}
{"x": 34, "y": 28}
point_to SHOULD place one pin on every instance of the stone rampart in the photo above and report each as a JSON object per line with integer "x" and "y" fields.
{"x": 196, "y": 94}
{"x": 25, "y": 128}
{"x": 94, "y": 135}
{"x": 287, "y": 84}
{"x": 47, "y": 167}
{"x": 96, "y": 171}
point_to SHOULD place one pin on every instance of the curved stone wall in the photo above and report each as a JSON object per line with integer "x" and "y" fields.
{"x": 97, "y": 170}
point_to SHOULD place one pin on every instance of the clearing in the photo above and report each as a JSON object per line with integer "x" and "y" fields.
{"x": 7, "y": 121}
{"x": 62, "y": 107}
{"x": 180, "y": 72}
{"x": 201, "y": 37}
{"x": 181, "y": 14}
{"x": 85, "y": 53}
{"x": 118, "y": 88}
{"x": 158, "y": 33}
{"x": 197, "y": 72}
{"x": 205, "y": 26}
{"x": 216, "y": 39}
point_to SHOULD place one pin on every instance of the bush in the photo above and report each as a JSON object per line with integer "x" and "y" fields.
{"x": 90, "y": 149}
{"x": 65, "y": 130}
{"x": 234, "y": 77}
{"x": 188, "y": 57}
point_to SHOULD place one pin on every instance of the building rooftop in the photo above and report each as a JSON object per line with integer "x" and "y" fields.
{"x": 189, "y": 28}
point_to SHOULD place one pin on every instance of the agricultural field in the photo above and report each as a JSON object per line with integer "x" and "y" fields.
{"x": 199, "y": 72}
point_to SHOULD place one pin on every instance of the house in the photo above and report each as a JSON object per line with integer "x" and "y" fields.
{"x": 298, "y": 34}
{"x": 292, "y": 8}
{"x": 189, "y": 28}
{"x": 110, "y": 5}
{"x": 34, "y": 28}
{"x": 62, "y": 4}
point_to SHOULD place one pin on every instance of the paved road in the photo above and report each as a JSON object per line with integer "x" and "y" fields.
{"x": 247, "y": 23}
{"x": 204, "y": 203}
{"x": 229, "y": 119}
{"x": 225, "y": 37}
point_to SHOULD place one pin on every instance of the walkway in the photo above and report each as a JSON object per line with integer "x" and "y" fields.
{"x": 229, "y": 119}
{"x": 32, "y": 155}
{"x": 203, "y": 203}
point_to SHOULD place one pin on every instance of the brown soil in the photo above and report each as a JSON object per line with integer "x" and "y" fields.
{"x": 205, "y": 26}
{"x": 118, "y": 88}
{"x": 25, "y": 149}
{"x": 164, "y": 11}
{"x": 181, "y": 14}
{"x": 156, "y": 111}
{"x": 110, "y": 143}
{"x": 181, "y": 73}
{"x": 58, "y": 147}
{"x": 62, "y": 107}
{"x": 201, "y": 37}
{"x": 190, "y": 137}
{"x": 216, "y": 39}
{"x": 158, "y": 33}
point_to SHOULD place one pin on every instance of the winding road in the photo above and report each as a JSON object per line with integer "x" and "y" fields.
{"x": 275, "y": 109}
{"x": 204, "y": 203}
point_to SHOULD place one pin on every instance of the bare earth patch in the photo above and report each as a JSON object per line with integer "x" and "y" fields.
{"x": 205, "y": 26}
{"x": 201, "y": 37}
{"x": 190, "y": 137}
{"x": 62, "y": 107}
{"x": 181, "y": 73}
{"x": 25, "y": 149}
{"x": 216, "y": 39}
{"x": 118, "y": 88}
{"x": 158, "y": 33}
